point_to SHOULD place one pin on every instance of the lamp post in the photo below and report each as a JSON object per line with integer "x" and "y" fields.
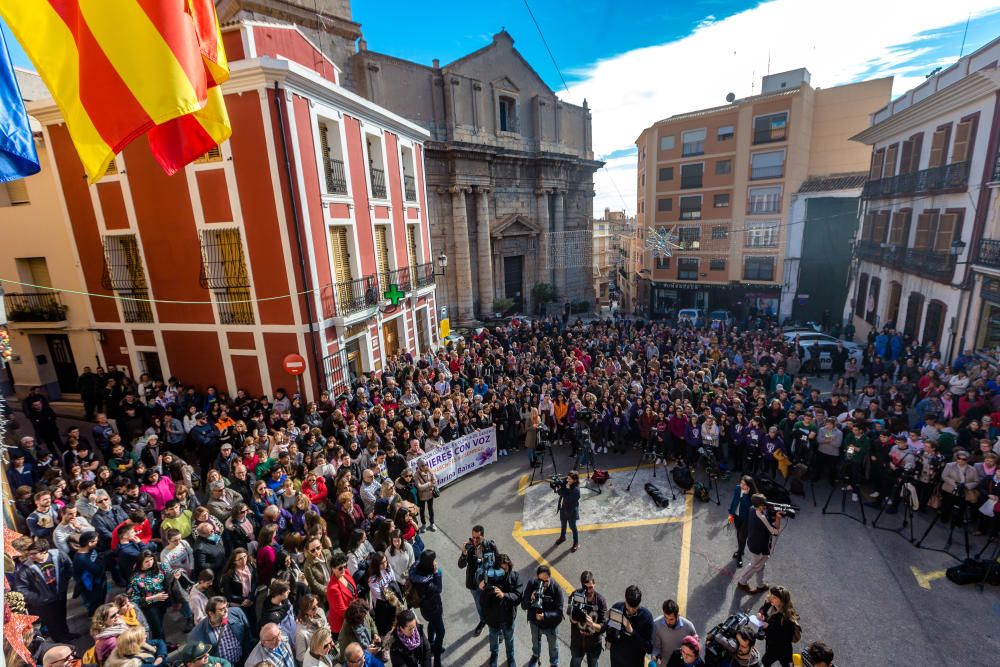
{"x": 442, "y": 262}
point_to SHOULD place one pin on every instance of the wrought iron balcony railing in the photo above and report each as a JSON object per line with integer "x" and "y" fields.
{"x": 34, "y": 307}
{"x": 336, "y": 177}
{"x": 928, "y": 263}
{"x": 410, "y": 188}
{"x": 399, "y": 277}
{"x": 423, "y": 275}
{"x": 351, "y": 296}
{"x": 378, "y": 183}
{"x": 989, "y": 253}
{"x": 950, "y": 177}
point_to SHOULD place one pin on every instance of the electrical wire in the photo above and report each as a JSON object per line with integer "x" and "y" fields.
{"x": 542, "y": 35}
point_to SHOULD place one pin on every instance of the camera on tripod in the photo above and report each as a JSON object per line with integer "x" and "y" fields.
{"x": 721, "y": 643}
{"x": 558, "y": 482}
{"x": 773, "y": 509}
{"x": 711, "y": 463}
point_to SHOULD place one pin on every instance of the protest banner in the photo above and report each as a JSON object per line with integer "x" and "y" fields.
{"x": 461, "y": 456}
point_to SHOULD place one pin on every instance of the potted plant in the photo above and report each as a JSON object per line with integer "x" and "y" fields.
{"x": 543, "y": 293}
{"x": 501, "y": 305}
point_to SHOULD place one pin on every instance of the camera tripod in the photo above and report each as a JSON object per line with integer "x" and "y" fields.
{"x": 901, "y": 496}
{"x": 963, "y": 509}
{"x": 844, "y": 483}
{"x": 666, "y": 473}
{"x": 993, "y": 560}
{"x": 539, "y": 465}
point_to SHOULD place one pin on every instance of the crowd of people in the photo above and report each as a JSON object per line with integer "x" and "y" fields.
{"x": 289, "y": 532}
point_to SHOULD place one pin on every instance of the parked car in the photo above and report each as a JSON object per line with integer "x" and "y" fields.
{"x": 722, "y": 316}
{"x": 827, "y": 344}
{"x": 691, "y": 315}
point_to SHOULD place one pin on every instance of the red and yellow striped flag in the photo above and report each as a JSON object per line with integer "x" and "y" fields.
{"x": 118, "y": 69}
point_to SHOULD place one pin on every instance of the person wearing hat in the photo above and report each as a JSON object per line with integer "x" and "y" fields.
{"x": 196, "y": 654}
{"x": 688, "y": 654}
{"x": 91, "y": 572}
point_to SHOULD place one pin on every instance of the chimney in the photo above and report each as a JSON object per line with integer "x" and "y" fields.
{"x": 436, "y": 64}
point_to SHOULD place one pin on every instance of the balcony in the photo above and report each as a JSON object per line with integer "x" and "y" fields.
{"x": 423, "y": 275}
{"x": 761, "y": 173}
{"x": 770, "y": 135}
{"x": 35, "y": 308}
{"x": 351, "y": 297}
{"x": 989, "y": 253}
{"x": 690, "y": 214}
{"x": 996, "y": 168}
{"x": 378, "y": 182}
{"x": 410, "y": 188}
{"x": 398, "y": 277}
{"x": 927, "y": 263}
{"x": 768, "y": 204}
{"x": 336, "y": 177}
{"x": 949, "y": 178}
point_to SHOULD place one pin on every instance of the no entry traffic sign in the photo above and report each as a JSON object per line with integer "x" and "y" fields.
{"x": 294, "y": 364}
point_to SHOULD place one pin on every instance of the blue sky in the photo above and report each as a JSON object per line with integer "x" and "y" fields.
{"x": 638, "y": 61}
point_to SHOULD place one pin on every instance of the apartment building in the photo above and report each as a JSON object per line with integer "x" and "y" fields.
{"x": 49, "y": 330}
{"x": 926, "y": 202}
{"x": 720, "y": 179}
{"x": 306, "y": 233}
{"x": 610, "y": 232}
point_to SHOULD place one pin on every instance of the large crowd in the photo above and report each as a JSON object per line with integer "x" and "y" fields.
{"x": 289, "y": 532}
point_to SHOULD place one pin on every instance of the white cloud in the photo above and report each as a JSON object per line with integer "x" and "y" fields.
{"x": 839, "y": 42}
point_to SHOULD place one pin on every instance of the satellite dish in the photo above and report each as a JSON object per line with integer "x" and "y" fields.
{"x": 730, "y": 97}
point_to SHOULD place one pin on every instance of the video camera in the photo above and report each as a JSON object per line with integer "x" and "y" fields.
{"x": 579, "y": 609}
{"x": 558, "y": 482}
{"x": 721, "y": 643}
{"x": 489, "y": 572}
{"x": 781, "y": 508}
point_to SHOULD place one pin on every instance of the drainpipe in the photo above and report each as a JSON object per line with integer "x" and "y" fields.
{"x": 979, "y": 225}
{"x": 297, "y": 220}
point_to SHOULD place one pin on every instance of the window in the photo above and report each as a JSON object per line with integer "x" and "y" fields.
{"x": 691, "y": 175}
{"x": 224, "y": 272}
{"x": 382, "y": 256}
{"x": 662, "y": 263}
{"x": 691, "y": 208}
{"x": 720, "y": 233}
{"x": 939, "y": 146}
{"x": 879, "y": 226}
{"x": 764, "y": 200}
{"x": 965, "y": 133}
{"x": 333, "y": 158}
{"x": 909, "y": 155}
{"x": 17, "y": 193}
{"x": 689, "y": 238}
{"x": 409, "y": 174}
{"x": 687, "y": 268}
{"x": 376, "y": 168}
{"x": 937, "y": 231}
{"x": 767, "y": 165}
{"x": 664, "y": 204}
{"x": 693, "y": 142}
{"x": 717, "y": 264}
{"x": 124, "y": 274}
{"x": 666, "y": 174}
{"x": 758, "y": 268}
{"x": 874, "y": 287}
{"x": 667, "y": 143}
{"x": 214, "y": 154}
{"x": 762, "y": 235}
{"x": 861, "y": 296}
{"x": 412, "y": 254}
{"x": 720, "y": 201}
{"x": 773, "y": 127}
{"x": 508, "y": 114}
{"x": 723, "y": 167}
{"x": 724, "y": 133}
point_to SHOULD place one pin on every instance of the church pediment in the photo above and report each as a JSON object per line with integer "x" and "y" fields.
{"x": 504, "y": 83}
{"x": 514, "y": 224}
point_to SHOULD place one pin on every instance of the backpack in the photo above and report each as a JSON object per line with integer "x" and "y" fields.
{"x": 89, "y": 658}
{"x": 599, "y": 476}
{"x": 682, "y": 477}
{"x": 412, "y": 594}
{"x": 973, "y": 571}
{"x": 701, "y": 492}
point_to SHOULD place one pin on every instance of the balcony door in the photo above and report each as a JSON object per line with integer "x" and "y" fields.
{"x": 513, "y": 281}
{"x": 63, "y": 363}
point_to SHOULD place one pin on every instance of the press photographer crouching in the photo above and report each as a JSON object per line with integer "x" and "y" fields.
{"x": 474, "y": 556}
{"x": 544, "y": 602}
{"x": 587, "y": 611}
{"x": 568, "y": 488}
{"x": 500, "y": 591}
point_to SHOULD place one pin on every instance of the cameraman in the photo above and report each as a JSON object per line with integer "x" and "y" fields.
{"x": 739, "y": 514}
{"x": 475, "y": 551}
{"x": 587, "y": 612}
{"x": 759, "y": 534}
{"x": 746, "y": 655}
{"x": 818, "y": 655}
{"x": 631, "y": 643}
{"x": 544, "y": 607}
{"x": 500, "y": 591}
{"x": 569, "y": 508}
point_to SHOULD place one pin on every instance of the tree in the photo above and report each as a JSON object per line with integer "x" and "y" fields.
{"x": 502, "y": 304}
{"x": 543, "y": 293}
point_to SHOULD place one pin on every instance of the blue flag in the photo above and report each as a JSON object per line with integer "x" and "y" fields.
{"x": 18, "y": 157}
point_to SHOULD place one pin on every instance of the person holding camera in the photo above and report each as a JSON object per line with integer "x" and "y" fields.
{"x": 739, "y": 513}
{"x": 474, "y": 554}
{"x": 569, "y": 508}
{"x": 500, "y": 590}
{"x": 587, "y": 611}
{"x": 759, "y": 534}
{"x": 747, "y": 654}
{"x": 544, "y": 607}
{"x": 630, "y": 630}
{"x": 781, "y": 627}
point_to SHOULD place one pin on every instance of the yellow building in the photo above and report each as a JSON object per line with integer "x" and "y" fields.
{"x": 721, "y": 179}
{"x": 50, "y": 332}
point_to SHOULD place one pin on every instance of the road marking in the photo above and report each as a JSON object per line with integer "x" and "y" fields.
{"x": 685, "y": 566}
{"x": 522, "y": 484}
{"x": 540, "y": 559}
{"x": 925, "y": 578}
{"x": 604, "y": 526}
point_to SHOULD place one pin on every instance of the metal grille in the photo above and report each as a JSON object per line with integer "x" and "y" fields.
{"x": 335, "y": 369}
{"x": 125, "y": 276}
{"x": 224, "y": 272}
{"x": 410, "y": 188}
{"x": 378, "y": 182}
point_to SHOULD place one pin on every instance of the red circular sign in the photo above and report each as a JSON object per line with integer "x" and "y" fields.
{"x": 294, "y": 364}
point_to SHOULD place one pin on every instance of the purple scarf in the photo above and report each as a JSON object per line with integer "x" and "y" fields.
{"x": 411, "y": 643}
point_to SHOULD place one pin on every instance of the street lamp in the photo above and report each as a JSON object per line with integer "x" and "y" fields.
{"x": 957, "y": 247}
{"x": 442, "y": 262}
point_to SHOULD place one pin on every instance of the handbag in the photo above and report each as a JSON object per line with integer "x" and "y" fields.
{"x": 436, "y": 492}
{"x": 934, "y": 502}
{"x": 971, "y": 496}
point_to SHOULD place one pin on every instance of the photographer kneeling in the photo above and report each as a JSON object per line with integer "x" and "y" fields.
{"x": 759, "y": 534}
{"x": 569, "y": 507}
{"x": 544, "y": 607}
{"x": 500, "y": 591}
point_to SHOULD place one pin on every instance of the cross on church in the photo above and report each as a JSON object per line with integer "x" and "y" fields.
{"x": 394, "y": 294}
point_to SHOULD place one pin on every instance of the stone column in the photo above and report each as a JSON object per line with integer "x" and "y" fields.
{"x": 485, "y": 258}
{"x": 561, "y": 248}
{"x": 542, "y": 216}
{"x": 463, "y": 263}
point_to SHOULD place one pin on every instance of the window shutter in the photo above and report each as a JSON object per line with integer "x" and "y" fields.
{"x": 112, "y": 168}
{"x": 939, "y": 147}
{"x": 878, "y": 158}
{"x": 905, "y": 155}
{"x": 917, "y": 142}
{"x": 338, "y": 248}
{"x": 890, "y": 161}
{"x": 324, "y": 151}
{"x": 381, "y": 252}
{"x": 38, "y": 268}
{"x": 868, "y": 227}
{"x": 963, "y": 141}
{"x": 881, "y": 225}
{"x": 411, "y": 244}
{"x": 925, "y": 231}
{"x": 17, "y": 192}
{"x": 899, "y": 231}
{"x": 946, "y": 232}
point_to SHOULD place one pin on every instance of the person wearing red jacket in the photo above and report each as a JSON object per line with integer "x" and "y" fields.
{"x": 314, "y": 488}
{"x": 340, "y": 592}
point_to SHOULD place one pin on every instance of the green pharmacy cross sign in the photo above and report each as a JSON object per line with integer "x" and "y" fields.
{"x": 394, "y": 294}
